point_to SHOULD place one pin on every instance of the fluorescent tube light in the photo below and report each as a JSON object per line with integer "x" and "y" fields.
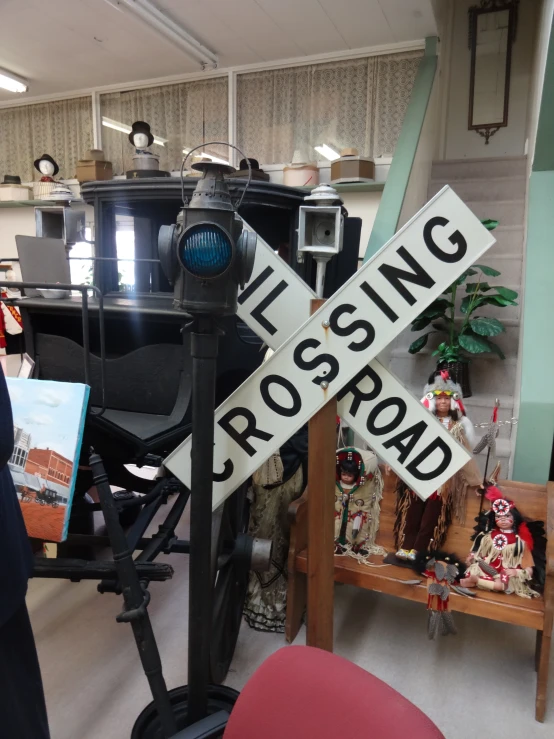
{"x": 327, "y": 152}
{"x": 124, "y": 128}
{"x": 11, "y": 82}
{"x": 157, "y": 21}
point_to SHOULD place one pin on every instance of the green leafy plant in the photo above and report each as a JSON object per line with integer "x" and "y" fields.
{"x": 473, "y": 335}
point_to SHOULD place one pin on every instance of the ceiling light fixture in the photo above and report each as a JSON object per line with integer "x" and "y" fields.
{"x": 124, "y": 128}
{"x": 157, "y": 21}
{"x": 13, "y": 83}
{"x": 327, "y": 152}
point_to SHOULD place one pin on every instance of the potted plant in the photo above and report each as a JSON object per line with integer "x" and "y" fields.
{"x": 473, "y": 335}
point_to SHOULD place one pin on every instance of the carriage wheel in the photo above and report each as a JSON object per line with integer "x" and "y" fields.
{"x": 231, "y": 562}
{"x": 42, "y": 502}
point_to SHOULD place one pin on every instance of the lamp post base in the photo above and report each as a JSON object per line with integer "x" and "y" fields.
{"x": 147, "y": 725}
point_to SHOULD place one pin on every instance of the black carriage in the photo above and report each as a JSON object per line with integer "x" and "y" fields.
{"x": 133, "y": 351}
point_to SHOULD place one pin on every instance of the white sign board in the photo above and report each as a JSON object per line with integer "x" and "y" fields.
{"x": 276, "y": 302}
{"x": 335, "y": 345}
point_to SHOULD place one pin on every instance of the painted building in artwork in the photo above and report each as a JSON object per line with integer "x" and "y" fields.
{"x": 22, "y": 446}
{"x": 49, "y": 465}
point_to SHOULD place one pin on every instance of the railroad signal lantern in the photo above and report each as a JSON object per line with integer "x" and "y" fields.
{"x": 208, "y": 253}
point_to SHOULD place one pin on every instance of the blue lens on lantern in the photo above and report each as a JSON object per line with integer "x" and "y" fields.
{"x": 205, "y": 250}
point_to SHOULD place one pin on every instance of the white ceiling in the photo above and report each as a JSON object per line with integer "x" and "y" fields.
{"x": 65, "y": 45}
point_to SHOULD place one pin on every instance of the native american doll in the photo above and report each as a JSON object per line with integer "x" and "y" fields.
{"x": 10, "y": 319}
{"x": 421, "y": 526}
{"x": 358, "y": 494}
{"x": 508, "y": 552}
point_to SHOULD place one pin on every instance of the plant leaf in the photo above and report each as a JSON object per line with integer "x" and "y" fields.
{"x": 497, "y": 350}
{"x": 486, "y": 326}
{"x": 489, "y": 271}
{"x": 474, "y": 344}
{"x": 437, "y": 307}
{"x": 468, "y": 273}
{"x": 489, "y": 223}
{"x": 498, "y": 300}
{"x": 440, "y": 327}
{"x": 419, "y": 343}
{"x": 507, "y": 293}
{"x": 422, "y": 322}
{"x": 476, "y": 286}
{"x": 464, "y": 305}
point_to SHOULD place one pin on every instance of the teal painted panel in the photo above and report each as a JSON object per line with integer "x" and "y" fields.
{"x": 544, "y": 150}
{"x": 535, "y": 432}
{"x": 388, "y": 214}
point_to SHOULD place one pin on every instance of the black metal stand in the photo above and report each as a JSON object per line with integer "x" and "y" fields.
{"x": 204, "y": 344}
{"x": 136, "y": 598}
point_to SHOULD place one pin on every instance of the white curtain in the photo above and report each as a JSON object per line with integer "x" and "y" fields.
{"x": 357, "y": 103}
{"x": 182, "y": 116}
{"x": 62, "y": 129}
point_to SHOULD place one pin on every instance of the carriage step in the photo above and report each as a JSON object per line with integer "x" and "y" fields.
{"x": 82, "y": 569}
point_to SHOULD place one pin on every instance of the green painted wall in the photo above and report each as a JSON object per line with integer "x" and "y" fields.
{"x": 535, "y": 432}
{"x": 386, "y": 220}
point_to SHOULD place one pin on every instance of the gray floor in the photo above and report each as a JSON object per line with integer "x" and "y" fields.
{"x": 478, "y": 683}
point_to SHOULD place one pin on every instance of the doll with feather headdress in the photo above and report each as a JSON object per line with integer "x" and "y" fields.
{"x": 421, "y": 525}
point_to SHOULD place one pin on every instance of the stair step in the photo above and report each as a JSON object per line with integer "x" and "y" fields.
{"x": 459, "y": 169}
{"x": 485, "y": 189}
{"x": 506, "y": 212}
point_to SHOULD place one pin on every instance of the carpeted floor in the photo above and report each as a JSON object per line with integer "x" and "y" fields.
{"x": 478, "y": 683}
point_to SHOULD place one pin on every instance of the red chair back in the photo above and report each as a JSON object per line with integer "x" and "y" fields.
{"x": 303, "y": 692}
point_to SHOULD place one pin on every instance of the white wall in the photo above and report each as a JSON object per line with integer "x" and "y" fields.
{"x": 461, "y": 143}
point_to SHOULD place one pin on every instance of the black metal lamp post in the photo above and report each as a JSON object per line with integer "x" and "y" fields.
{"x": 206, "y": 255}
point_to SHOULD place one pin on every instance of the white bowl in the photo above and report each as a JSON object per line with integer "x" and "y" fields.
{"x": 52, "y": 294}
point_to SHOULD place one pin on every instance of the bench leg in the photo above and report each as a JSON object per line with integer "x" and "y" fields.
{"x": 543, "y": 654}
{"x": 538, "y": 644}
{"x": 296, "y": 604}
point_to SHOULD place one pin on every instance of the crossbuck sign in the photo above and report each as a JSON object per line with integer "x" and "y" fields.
{"x": 333, "y": 353}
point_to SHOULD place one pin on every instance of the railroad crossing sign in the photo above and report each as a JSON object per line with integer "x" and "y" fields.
{"x": 333, "y": 352}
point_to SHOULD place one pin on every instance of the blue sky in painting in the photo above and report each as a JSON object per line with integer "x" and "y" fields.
{"x": 50, "y": 411}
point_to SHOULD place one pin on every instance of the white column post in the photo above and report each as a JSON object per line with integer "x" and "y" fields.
{"x": 96, "y": 121}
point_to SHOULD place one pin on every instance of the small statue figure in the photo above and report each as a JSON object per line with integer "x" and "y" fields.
{"x": 145, "y": 163}
{"x": 504, "y": 554}
{"x": 358, "y": 494}
{"x": 141, "y": 137}
{"x": 421, "y": 525}
{"x": 47, "y": 167}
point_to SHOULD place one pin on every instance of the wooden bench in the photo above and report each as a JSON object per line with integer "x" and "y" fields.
{"x": 536, "y": 502}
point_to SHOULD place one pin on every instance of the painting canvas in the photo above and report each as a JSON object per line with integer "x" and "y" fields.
{"x": 48, "y": 419}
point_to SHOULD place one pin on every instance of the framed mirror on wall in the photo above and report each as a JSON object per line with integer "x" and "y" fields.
{"x": 492, "y": 30}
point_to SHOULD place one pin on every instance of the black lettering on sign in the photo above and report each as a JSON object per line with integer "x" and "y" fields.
{"x": 456, "y": 238}
{"x": 251, "y": 430}
{"x": 447, "y": 458}
{"x": 396, "y": 421}
{"x": 414, "y": 434}
{"x": 418, "y": 276}
{"x": 360, "y": 395}
{"x": 310, "y": 364}
{"x": 257, "y": 312}
{"x": 228, "y": 469}
{"x": 379, "y": 302}
{"x": 266, "y": 383}
{"x": 352, "y": 327}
